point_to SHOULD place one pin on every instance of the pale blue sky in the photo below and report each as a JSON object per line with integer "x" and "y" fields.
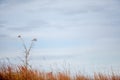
{"x": 81, "y": 32}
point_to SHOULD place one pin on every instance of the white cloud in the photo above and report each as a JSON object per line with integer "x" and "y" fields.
{"x": 61, "y": 15}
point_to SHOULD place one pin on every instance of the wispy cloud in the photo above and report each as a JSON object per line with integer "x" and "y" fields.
{"x": 2, "y": 36}
{"x": 29, "y": 26}
{"x": 87, "y": 19}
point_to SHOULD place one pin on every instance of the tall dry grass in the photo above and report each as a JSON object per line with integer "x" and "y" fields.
{"x": 25, "y": 72}
{"x": 9, "y": 72}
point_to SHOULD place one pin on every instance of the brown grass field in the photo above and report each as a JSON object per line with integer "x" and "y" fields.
{"x": 9, "y": 72}
{"x": 25, "y": 72}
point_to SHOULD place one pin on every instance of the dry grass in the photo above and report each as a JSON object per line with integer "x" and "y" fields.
{"x": 24, "y": 72}
{"x": 8, "y": 72}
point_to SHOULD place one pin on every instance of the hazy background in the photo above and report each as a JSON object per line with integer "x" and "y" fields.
{"x": 84, "y": 34}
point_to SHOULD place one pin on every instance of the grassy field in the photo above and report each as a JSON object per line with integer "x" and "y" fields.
{"x": 25, "y": 72}
{"x": 9, "y": 72}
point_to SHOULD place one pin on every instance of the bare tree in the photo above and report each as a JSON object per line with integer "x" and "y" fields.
{"x": 27, "y": 52}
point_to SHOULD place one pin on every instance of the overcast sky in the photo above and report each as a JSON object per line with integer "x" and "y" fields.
{"x": 80, "y": 32}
